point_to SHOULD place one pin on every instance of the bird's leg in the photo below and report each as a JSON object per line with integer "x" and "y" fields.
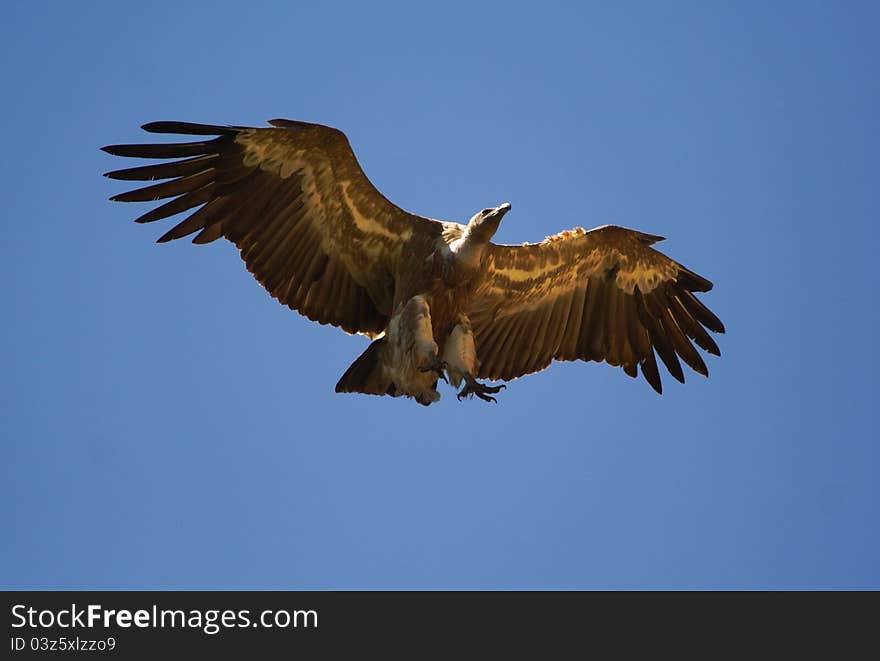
{"x": 435, "y": 365}
{"x": 481, "y": 390}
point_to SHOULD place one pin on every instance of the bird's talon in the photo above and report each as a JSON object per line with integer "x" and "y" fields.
{"x": 437, "y": 366}
{"x": 473, "y": 387}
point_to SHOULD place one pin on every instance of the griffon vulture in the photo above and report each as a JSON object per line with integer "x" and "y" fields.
{"x": 439, "y": 299}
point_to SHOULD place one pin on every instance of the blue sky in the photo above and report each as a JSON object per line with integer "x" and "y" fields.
{"x": 167, "y": 425}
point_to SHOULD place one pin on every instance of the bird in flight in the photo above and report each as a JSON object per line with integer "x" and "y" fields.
{"x": 438, "y": 299}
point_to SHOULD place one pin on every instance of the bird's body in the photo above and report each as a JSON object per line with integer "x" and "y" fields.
{"x": 429, "y": 334}
{"x": 438, "y": 298}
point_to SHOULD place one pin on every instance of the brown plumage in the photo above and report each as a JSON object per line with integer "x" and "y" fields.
{"x": 439, "y": 297}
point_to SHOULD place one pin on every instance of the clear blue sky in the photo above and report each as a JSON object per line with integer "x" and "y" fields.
{"x": 166, "y": 424}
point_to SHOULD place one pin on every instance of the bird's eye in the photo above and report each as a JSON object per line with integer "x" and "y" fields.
{"x": 486, "y": 212}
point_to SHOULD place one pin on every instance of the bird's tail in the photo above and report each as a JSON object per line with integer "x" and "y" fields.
{"x": 366, "y": 375}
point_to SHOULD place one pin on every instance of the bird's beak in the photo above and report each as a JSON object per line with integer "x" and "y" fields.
{"x": 502, "y": 209}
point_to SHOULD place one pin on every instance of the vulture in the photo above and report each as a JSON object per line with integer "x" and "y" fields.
{"x": 438, "y": 299}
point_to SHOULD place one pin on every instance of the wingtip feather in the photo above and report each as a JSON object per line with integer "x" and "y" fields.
{"x": 186, "y": 128}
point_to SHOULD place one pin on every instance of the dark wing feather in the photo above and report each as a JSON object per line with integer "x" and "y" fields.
{"x": 308, "y": 223}
{"x": 602, "y": 295}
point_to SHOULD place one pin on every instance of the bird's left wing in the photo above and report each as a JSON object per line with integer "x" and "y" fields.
{"x": 309, "y": 224}
{"x": 602, "y": 295}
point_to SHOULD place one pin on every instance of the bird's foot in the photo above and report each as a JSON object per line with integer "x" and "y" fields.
{"x": 437, "y": 366}
{"x": 481, "y": 390}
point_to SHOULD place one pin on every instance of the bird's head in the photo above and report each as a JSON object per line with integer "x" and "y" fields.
{"x": 484, "y": 224}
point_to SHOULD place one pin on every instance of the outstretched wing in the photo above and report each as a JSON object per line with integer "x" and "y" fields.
{"x": 309, "y": 224}
{"x": 601, "y": 295}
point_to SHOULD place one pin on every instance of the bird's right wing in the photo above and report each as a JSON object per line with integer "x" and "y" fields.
{"x": 309, "y": 224}
{"x": 602, "y": 295}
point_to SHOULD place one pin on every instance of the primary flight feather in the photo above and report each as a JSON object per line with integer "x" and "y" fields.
{"x": 439, "y": 298}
